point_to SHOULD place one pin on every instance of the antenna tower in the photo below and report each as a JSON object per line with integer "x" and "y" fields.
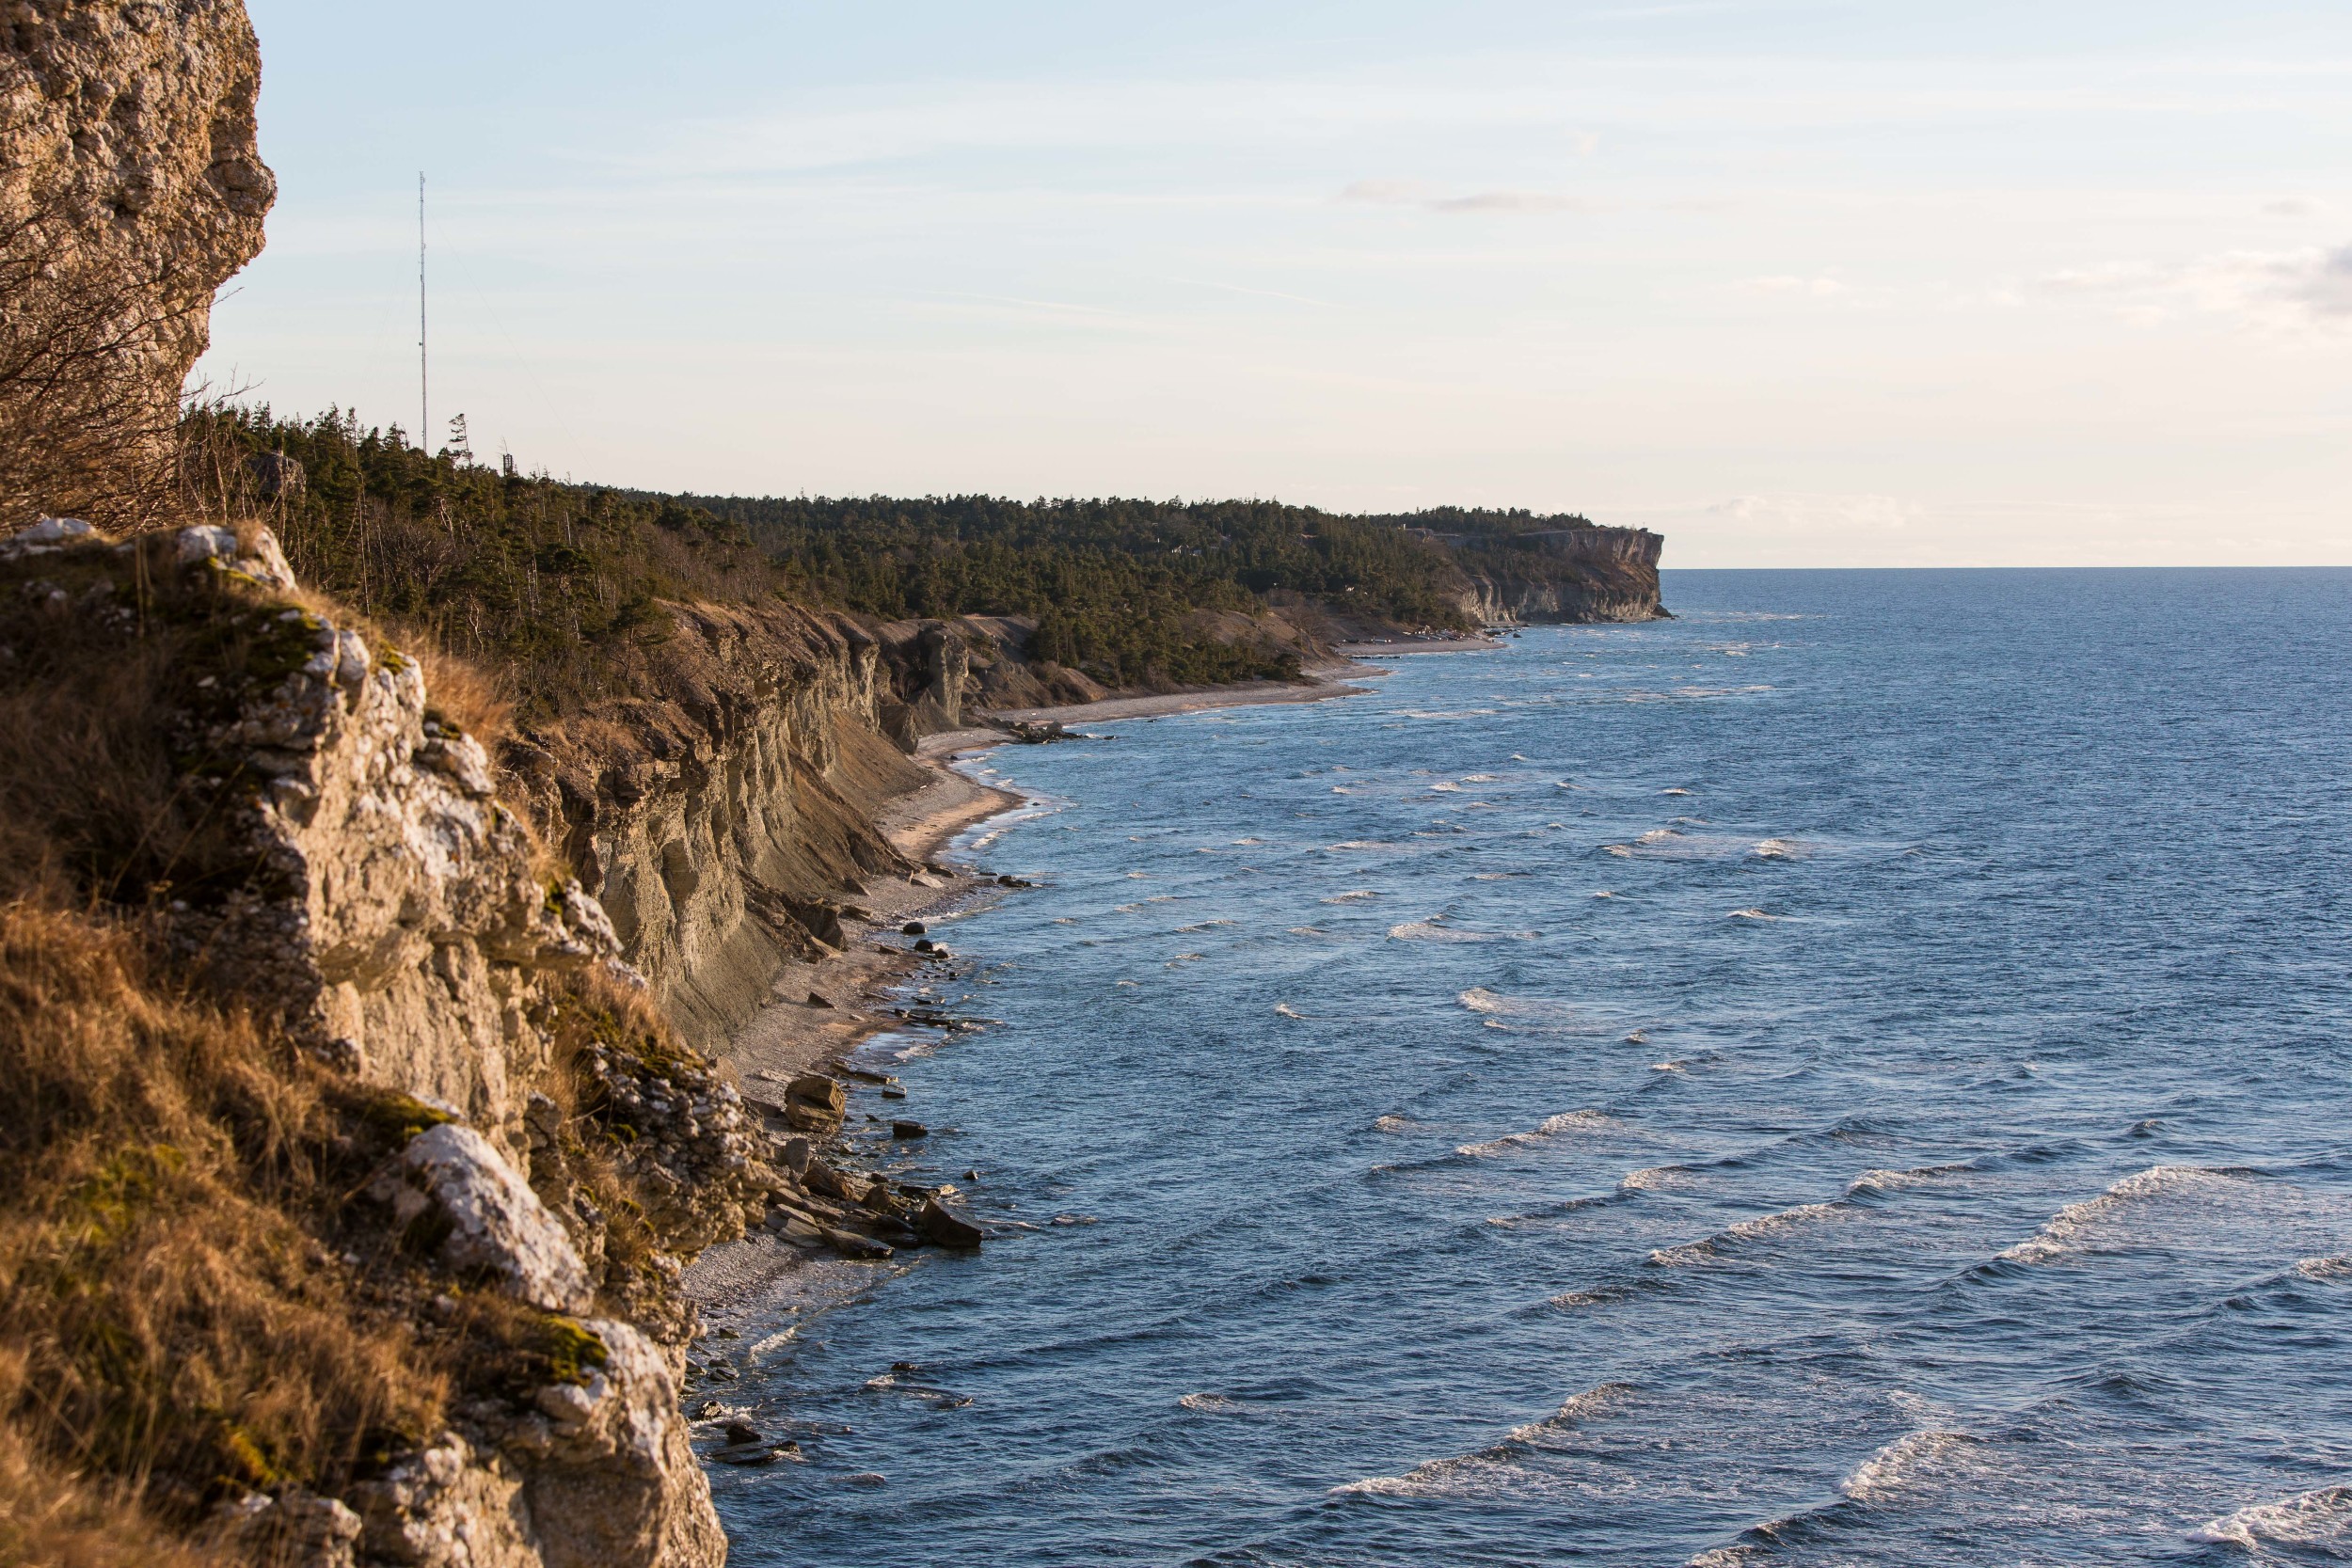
{"x": 425, "y": 367}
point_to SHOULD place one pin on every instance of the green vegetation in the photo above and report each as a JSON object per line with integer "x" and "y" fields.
{"x": 546, "y": 579}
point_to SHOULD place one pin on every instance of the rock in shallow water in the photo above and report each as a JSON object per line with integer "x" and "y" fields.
{"x": 943, "y": 1228}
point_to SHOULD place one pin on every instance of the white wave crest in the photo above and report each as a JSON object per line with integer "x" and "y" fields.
{"x": 1902, "y": 1463}
{"x": 1495, "y": 1468}
{"x": 1751, "y": 914}
{"x": 2325, "y": 1268}
{"x": 1442, "y": 786}
{"x": 1781, "y": 850}
{"x": 1350, "y": 897}
{"x": 1478, "y": 999}
{"x": 1896, "y": 1180}
{"x": 1567, "y": 1121}
{"x": 2073, "y": 1227}
{"x": 1746, "y": 1230}
{"x": 1209, "y": 1402}
{"x": 2316, "y": 1518}
{"x": 1284, "y": 1010}
{"x": 1429, "y": 930}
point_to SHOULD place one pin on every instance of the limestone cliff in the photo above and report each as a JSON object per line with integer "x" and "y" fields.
{"x": 131, "y": 187}
{"x": 718, "y": 813}
{"x": 521, "y": 1154}
{"x": 1565, "y": 575}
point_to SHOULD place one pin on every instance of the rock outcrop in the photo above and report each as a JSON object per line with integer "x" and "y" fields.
{"x": 1559, "y": 576}
{"x": 341, "y": 868}
{"x": 131, "y": 189}
{"x": 716, "y": 816}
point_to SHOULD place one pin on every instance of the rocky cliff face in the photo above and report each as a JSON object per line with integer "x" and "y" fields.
{"x": 717, "y": 815}
{"x": 1569, "y": 575}
{"x": 131, "y": 189}
{"x": 339, "y": 864}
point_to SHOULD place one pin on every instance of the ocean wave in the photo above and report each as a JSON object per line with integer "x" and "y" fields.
{"x": 1210, "y": 1402}
{"x": 2325, "y": 1268}
{"x": 1597, "y": 1295}
{"x": 2317, "y": 1518}
{"x": 1350, "y": 897}
{"x": 1655, "y": 1175}
{"x": 1363, "y": 844}
{"x": 1871, "y": 1181}
{"x": 1552, "y": 1127}
{"x": 1902, "y": 1463}
{"x": 2072, "y": 1229}
{"x": 1753, "y": 914}
{"x": 1781, "y": 850}
{"x": 1481, "y": 778}
{"x": 1442, "y": 786}
{"x": 1434, "y": 930}
{"x": 1395, "y": 1124}
{"x": 1495, "y": 1467}
{"x": 1284, "y": 1009}
{"x": 1535, "y": 1009}
{"x": 1674, "y": 844}
{"x": 1206, "y": 925}
{"x": 1746, "y": 1230}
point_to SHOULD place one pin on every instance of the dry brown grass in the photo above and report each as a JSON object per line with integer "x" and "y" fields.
{"x": 174, "y": 1326}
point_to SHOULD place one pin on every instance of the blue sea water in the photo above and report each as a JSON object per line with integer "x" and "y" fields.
{"x": 1854, "y": 1074}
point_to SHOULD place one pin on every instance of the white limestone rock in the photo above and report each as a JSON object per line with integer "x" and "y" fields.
{"x": 265, "y": 562}
{"x": 497, "y": 1223}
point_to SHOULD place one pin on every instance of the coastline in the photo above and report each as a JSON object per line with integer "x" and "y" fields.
{"x": 1479, "y": 643}
{"x": 792, "y": 1035}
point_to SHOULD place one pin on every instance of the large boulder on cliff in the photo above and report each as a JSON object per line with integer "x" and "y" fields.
{"x": 490, "y": 1220}
{"x": 131, "y": 189}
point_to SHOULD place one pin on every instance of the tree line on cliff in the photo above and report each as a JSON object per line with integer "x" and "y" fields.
{"x": 541, "y": 576}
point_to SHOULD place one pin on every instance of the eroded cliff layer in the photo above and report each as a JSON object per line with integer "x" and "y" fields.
{"x": 1559, "y": 576}
{"x": 351, "y": 1178}
{"x": 720, "y": 812}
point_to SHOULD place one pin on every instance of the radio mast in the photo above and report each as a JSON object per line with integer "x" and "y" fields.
{"x": 425, "y": 367}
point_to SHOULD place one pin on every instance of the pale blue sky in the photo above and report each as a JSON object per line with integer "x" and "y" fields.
{"x": 1795, "y": 283}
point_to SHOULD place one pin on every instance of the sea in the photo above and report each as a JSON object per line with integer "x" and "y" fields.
{"x": 1856, "y": 1073}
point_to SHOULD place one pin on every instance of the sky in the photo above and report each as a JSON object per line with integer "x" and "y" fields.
{"x": 1795, "y": 282}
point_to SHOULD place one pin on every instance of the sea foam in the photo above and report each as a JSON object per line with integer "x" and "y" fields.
{"x": 2074, "y": 1228}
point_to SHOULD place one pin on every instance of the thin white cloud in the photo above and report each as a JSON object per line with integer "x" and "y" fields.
{"x": 1784, "y": 516}
{"x": 2284, "y": 290}
{"x": 1811, "y": 288}
{"x": 1406, "y": 193}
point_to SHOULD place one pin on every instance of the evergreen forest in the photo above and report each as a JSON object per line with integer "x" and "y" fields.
{"x": 541, "y": 576}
